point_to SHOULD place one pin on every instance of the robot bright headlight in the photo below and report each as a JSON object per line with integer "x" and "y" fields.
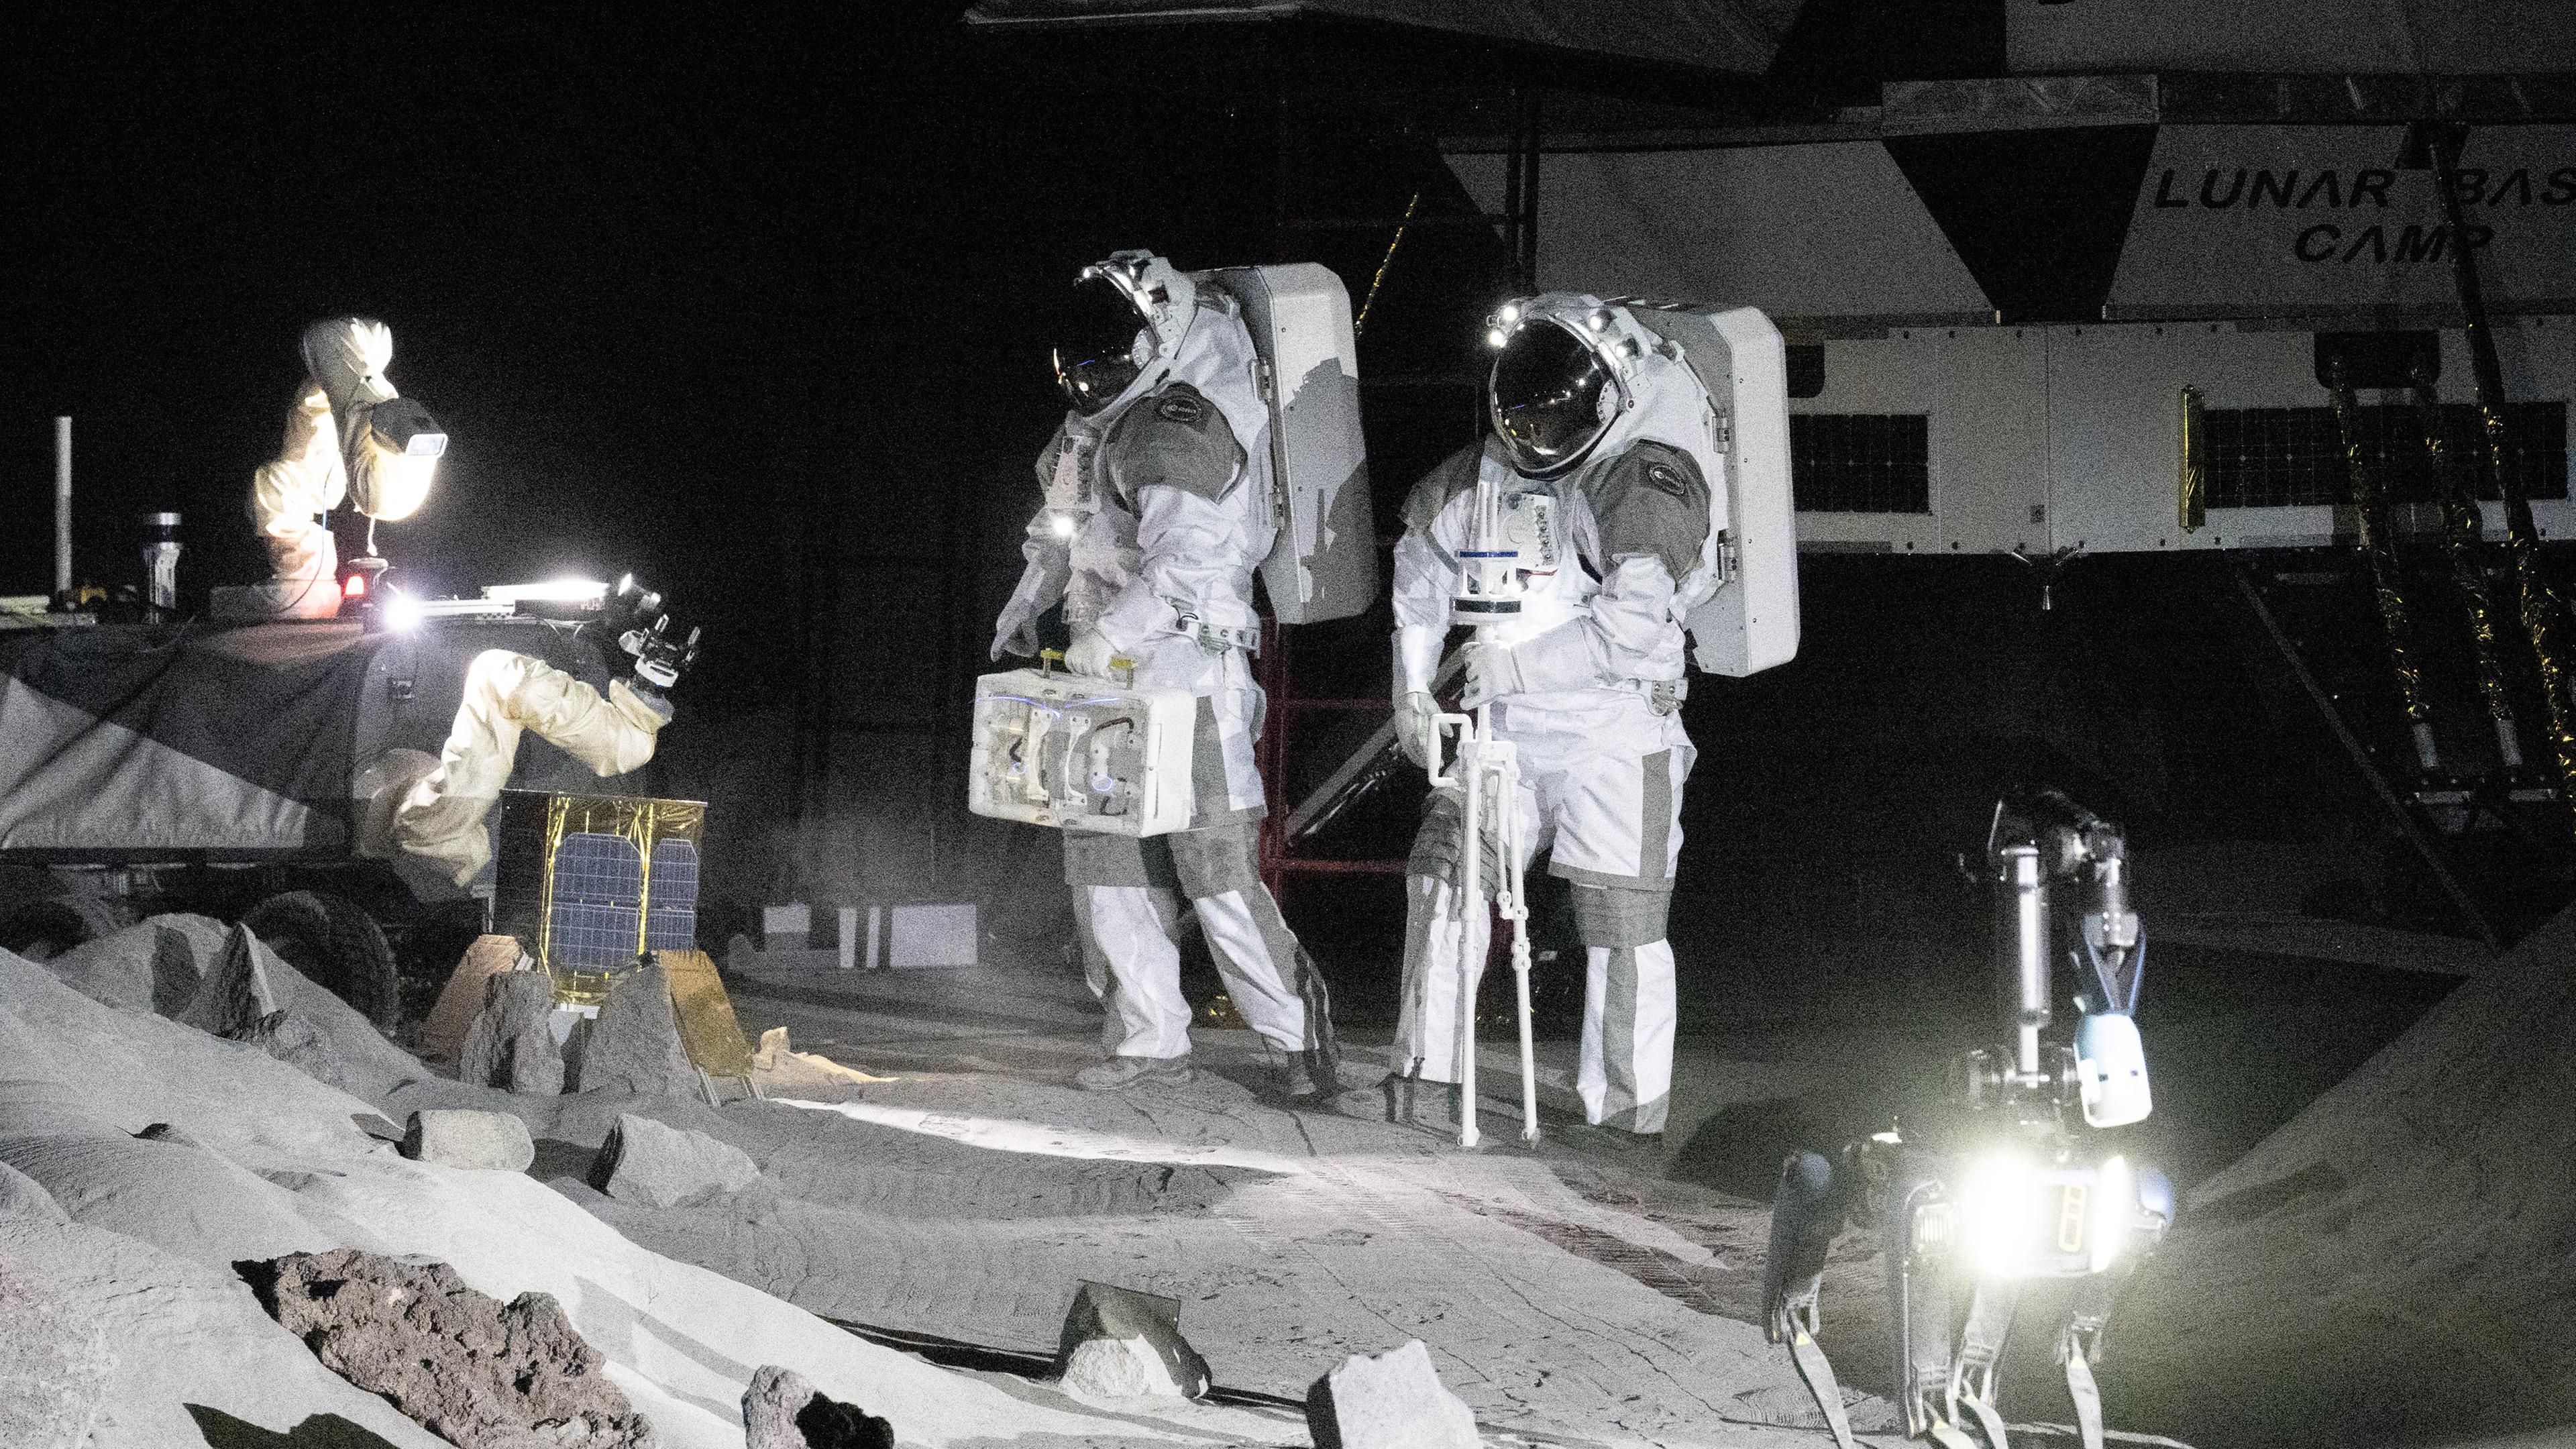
{"x": 2023, "y": 1220}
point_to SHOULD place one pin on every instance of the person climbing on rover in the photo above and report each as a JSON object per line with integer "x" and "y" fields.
{"x": 1157, "y": 511}
{"x": 350, "y": 437}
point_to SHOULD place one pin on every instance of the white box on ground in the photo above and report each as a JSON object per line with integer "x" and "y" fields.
{"x": 920, "y": 936}
{"x": 790, "y": 926}
{"x": 1081, "y": 753}
{"x": 849, "y": 937}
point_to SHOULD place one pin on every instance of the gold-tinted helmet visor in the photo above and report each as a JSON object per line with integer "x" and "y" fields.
{"x": 1551, "y": 397}
{"x": 1095, "y": 347}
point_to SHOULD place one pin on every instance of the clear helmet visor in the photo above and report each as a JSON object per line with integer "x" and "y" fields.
{"x": 1551, "y": 398}
{"x": 1098, "y": 345}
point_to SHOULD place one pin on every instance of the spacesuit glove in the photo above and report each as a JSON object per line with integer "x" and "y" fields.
{"x": 1492, "y": 672}
{"x": 1560, "y": 659}
{"x": 1417, "y": 728}
{"x": 1089, "y": 653}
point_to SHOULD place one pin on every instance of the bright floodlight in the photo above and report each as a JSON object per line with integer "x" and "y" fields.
{"x": 1997, "y": 1211}
{"x": 402, "y": 612}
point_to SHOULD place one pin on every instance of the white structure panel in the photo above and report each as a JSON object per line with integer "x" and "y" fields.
{"x": 2084, "y": 422}
{"x": 1831, "y": 229}
{"x": 1984, "y": 390}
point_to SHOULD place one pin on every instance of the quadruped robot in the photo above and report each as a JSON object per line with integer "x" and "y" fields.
{"x": 2001, "y": 1186}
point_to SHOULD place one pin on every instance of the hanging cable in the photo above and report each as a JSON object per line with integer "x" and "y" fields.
{"x": 1361, "y": 325}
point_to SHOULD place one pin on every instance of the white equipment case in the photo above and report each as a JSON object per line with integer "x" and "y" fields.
{"x": 1751, "y": 622}
{"x": 1324, "y": 565}
{"x": 1081, "y": 753}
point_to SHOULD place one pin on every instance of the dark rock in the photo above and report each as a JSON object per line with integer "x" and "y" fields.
{"x": 1391, "y": 1400}
{"x": 782, "y": 1411}
{"x": 644, "y": 1161}
{"x": 455, "y": 1137}
{"x": 474, "y": 1371}
{"x": 634, "y": 1046}
{"x": 54, "y": 1362}
{"x": 511, "y": 1043}
{"x": 237, "y": 991}
{"x": 1118, "y": 1343}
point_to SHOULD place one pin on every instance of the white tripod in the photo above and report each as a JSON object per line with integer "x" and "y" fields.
{"x": 1489, "y": 773}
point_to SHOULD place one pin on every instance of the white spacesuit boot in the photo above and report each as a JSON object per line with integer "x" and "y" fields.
{"x": 441, "y": 818}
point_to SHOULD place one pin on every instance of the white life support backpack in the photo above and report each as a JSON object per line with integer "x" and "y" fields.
{"x": 1323, "y": 564}
{"x": 1745, "y": 619}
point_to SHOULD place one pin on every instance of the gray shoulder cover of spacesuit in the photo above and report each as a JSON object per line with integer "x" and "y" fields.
{"x": 1651, "y": 500}
{"x": 1174, "y": 439}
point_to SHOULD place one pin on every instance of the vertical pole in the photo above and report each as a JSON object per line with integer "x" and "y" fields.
{"x": 2463, "y": 535}
{"x": 62, "y": 505}
{"x": 1473, "y": 909}
{"x": 2536, "y": 602}
{"x": 2024, "y": 946}
{"x": 2387, "y": 571}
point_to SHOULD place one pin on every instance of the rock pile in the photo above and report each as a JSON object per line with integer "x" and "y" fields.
{"x": 782, "y": 1411}
{"x": 634, "y": 1046}
{"x": 1390, "y": 1400}
{"x": 454, "y": 1137}
{"x": 511, "y": 1043}
{"x": 1118, "y": 1343}
{"x": 475, "y": 1371}
{"x": 227, "y": 982}
{"x": 644, "y": 1161}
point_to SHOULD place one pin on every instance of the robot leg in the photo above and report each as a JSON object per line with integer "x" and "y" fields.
{"x": 1806, "y": 1212}
{"x": 1981, "y": 1347}
{"x": 1915, "y": 1231}
{"x": 2079, "y": 1343}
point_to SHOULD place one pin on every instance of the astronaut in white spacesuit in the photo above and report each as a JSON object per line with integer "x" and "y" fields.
{"x": 349, "y": 436}
{"x": 1158, "y": 510}
{"x": 1598, "y": 446}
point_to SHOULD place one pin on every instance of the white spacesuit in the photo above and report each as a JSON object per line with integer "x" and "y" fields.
{"x": 1158, "y": 510}
{"x": 1600, "y": 448}
{"x": 349, "y": 436}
